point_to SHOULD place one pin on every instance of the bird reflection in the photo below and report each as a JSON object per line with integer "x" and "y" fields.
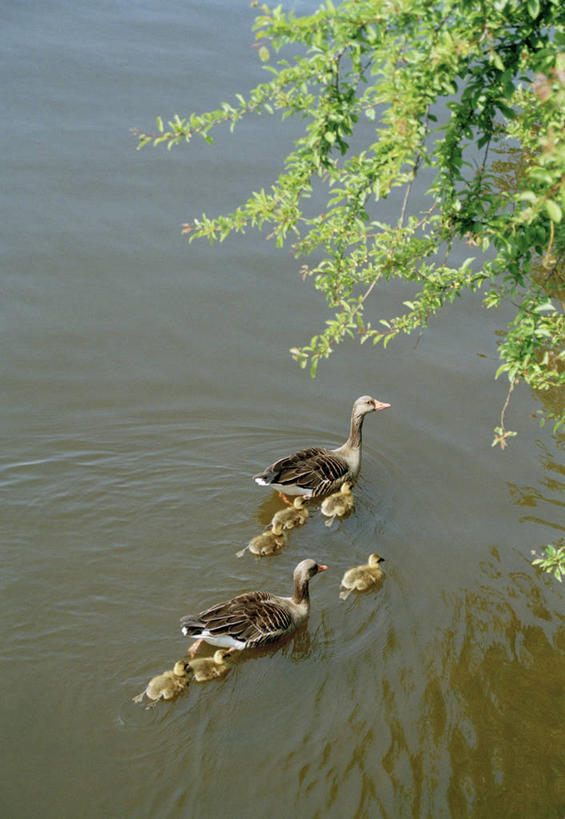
{"x": 549, "y": 493}
{"x": 267, "y": 509}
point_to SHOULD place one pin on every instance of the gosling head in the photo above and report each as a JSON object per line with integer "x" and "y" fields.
{"x": 375, "y": 559}
{"x": 298, "y": 502}
{"x": 277, "y": 528}
{"x": 346, "y": 488}
{"x": 180, "y": 668}
{"x": 219, "y": 655}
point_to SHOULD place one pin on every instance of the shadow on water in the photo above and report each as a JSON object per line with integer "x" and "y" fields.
{"x": 490, "y": 707}
{"x": 477, "y": 722}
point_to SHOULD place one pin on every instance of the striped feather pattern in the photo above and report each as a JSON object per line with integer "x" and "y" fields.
{"x": 254, "y": 618}
{"x": 315, "y": 470}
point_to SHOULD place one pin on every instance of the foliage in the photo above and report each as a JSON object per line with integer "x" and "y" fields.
{"x": 552, "y": 561}
{"x": 389, "y": 89}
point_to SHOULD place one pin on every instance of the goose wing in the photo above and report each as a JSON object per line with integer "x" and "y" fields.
{"x": 314, "y": 470}
{"x": 253, "y": 618}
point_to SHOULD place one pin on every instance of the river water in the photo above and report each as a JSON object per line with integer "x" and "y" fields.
{"x": 144, "y": 381}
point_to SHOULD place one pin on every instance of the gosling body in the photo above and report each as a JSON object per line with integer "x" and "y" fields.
{"x": 362, "y": 578}
{"x": 209, "y": 668}
{"x": 296, "y": 515}
{"x": 167, "y": 685}
{"x": 339, "y": 504}
{"x": 267, "y": 543}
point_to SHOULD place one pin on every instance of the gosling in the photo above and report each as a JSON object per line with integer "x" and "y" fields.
{"x": 209, "y": 668}
{"x": 362, "y": 578}
{"x": 167, "y": 685}
{"x": 268, "y": 543}
{"x": 338, "y": 504}
{"x": 296, "y": 515}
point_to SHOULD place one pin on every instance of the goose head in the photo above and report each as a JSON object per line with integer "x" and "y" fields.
{"x": 366, "y": 403}
{"x": 306, "y": 570}
{"x": 374, "y": 560}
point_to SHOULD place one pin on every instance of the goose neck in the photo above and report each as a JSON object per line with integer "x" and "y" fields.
{"x": 301, "y": 591}
{"x": 355, "y": 431}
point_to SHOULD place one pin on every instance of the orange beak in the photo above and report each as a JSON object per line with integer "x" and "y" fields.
{"x": 380, "y": 405}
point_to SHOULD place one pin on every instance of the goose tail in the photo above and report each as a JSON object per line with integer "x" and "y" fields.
{"x": 191, "y": 626}
{"x": 263, "y": 478}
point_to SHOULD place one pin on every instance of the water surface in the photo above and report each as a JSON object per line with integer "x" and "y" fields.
{"x": 145, "y": 381}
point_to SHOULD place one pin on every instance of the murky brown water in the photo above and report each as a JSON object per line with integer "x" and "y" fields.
{"x": 144, "y": 382}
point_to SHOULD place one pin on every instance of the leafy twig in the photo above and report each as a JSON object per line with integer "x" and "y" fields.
{"x": 501, "y": 433}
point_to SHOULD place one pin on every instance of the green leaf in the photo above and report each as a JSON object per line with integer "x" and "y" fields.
{"x": 553, "y": 210}
{"x": 397, "y": 69}
{"x": 528, "y": 196}
{"x": 546, "y": 307}
{"x": 497, "y": 61}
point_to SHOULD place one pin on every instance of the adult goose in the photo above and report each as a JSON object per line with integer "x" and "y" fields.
{"x": 317, "y": 472}
{"x": 254, "y": 618}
